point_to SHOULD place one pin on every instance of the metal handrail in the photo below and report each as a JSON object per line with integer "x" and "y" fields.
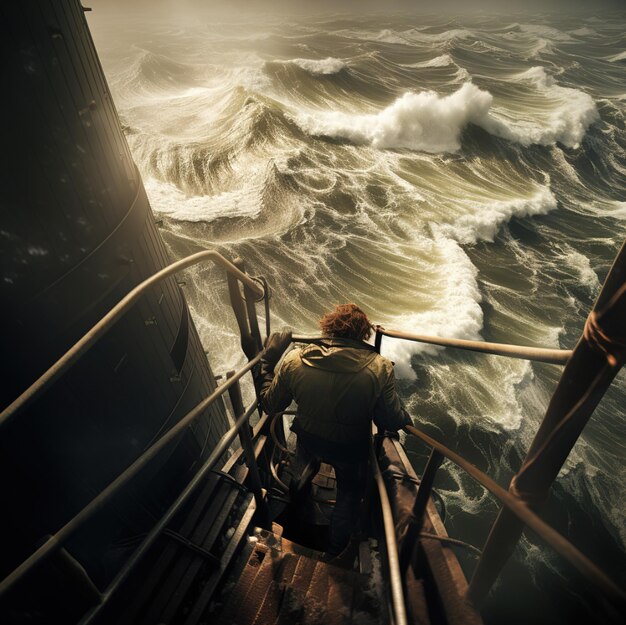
{"x": 539, "y": 354}
{"x": 57, "y": 540}
{"x": 395, "y": 577}
{"x": 221, "y": 447}
{"x": 105, "y": 324}
{"x": 559, "y": 543}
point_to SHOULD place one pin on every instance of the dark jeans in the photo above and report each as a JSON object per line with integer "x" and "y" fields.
{"x": 351, "y": 485}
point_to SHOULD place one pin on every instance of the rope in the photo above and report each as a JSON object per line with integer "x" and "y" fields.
{"x": 452, "y": 541}
{"x": 614, "y": 348}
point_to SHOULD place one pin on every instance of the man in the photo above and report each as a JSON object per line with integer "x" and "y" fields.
{"x": 339, "y": 385}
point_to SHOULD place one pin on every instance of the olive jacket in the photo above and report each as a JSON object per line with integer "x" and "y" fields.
{"x": 340, "y": 386}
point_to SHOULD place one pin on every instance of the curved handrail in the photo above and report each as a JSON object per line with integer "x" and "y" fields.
{"x": 221, "y": 447}
{"x": 393, "y": 559}
{"x": 100, "y": 328}
{"x": 57, "y": 540}
{"x": 539, "y": 354}
{"x": 559, "y": 543}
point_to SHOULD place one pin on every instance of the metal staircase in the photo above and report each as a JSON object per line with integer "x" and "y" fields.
{"x": 284, "y": 583}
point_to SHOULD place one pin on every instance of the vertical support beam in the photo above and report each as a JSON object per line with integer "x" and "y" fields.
{"x": 378, "y": 339}
{"x": 419, "y": 508}
{"x": 250, "y": 308}
{"x": 248, "y": 343}
{"x": 245, "y": 438}
{"x": 596, "y": 360}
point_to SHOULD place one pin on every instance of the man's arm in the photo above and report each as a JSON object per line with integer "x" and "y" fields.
{"x": 276, "y": 392}
{"x": 389, "y": 411}
{"x": 273, "y": 390}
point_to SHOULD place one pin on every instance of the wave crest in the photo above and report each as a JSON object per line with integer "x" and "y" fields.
{"x": 317, "y": 67}
{"x": 431, "y": 123}
{"x": 418, "y": 121}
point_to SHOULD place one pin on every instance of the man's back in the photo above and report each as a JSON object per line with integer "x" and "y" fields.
{"x": 339, "y": 385}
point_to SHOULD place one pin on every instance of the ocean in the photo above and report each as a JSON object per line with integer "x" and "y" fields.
{"x": 462, "y": 177}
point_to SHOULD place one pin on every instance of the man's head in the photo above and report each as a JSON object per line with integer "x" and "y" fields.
{"x": 346, "y": 321}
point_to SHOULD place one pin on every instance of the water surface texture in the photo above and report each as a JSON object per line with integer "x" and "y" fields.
{"x": 458, "y": 177}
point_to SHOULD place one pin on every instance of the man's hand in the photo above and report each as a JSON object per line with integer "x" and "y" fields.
{"x": 275, "y": 348}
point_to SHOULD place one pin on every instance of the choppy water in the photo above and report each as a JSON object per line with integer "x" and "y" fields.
{"x": 456, "y": 177}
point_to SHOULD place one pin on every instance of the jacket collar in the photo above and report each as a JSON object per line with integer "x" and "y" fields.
{"x": 336, "y": 341}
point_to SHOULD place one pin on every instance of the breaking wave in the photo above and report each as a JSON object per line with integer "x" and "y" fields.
{"x": 321, "y": 67}
{"x": 431, "y": 123}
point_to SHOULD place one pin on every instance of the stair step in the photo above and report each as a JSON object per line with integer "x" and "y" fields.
{"x": 303, "y": 574}
{"x": 244, "y": 582}
{"x": 290, "y": 562}
{"x": 283, "y": 587}
{"x": 271, "y": 604}
{"x": 247, "y": 610}
{"x": 339, "y": 597}
{"x": 277, "y": 530}
{"x": 316, "y": 598}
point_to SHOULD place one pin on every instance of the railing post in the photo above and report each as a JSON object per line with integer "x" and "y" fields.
{"x": 248, "y": 342}
{"x": 419, "y": 508}
{"x": 378, "y": 339}
{"x": 253, "y": 320}
{"x": 245, "y": 438}
{"x": 597, "y": 358}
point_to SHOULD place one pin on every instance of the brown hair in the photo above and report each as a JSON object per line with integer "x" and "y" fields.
{"x": 346, "y": 321}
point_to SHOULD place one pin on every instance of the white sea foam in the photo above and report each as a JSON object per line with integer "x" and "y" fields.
{"x": 484, "y": 219}
{"x": 438, "y": 61}
{"x": 617, "y": 57}
{"x": 585, "y": 31}
{"x": 582, "y": 265}
{"x": 546, "y": 32}
{"x": 565, "y": 119}
{"x": 388, "y": 36}
{"x": 418, "y": 121}
{"x": 168, "y": 199}
{"x": 457, "y": 313}
{"x": 319, "y": 67}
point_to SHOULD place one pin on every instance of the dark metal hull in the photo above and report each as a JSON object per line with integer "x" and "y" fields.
{"x": 77, "y": 234}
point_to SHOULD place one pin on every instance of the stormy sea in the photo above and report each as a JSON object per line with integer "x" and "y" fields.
{"x": 454, "y": 176}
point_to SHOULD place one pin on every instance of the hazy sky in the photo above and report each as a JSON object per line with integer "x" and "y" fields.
{"x": 242, "y": 7}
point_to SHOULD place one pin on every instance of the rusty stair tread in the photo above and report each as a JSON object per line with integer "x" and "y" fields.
{"x": 279, "y": 585}
{"x": 246, "y": 610}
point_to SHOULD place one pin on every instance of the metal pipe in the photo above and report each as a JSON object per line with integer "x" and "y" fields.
{"x": 419, "y": 507}
{"x": 248, "y": 343}
{"x": 253, "y": 320}
{"x": 236, "y": 400}
{"x": 560, "y": 544}
{"x": 105, "y": 324}
{"x": 596, "y": 360}
{"x": 395, "y": 578}
{"x": 59, "y": 539}
{"x": 539, "y": 354}
{"x": 221, "y": 447}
